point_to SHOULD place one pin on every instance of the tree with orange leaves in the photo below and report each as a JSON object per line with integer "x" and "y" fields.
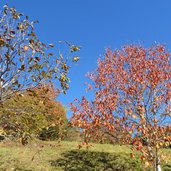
{"x": 132, "y": 92}
{"x": 54, "y": 112}
{"x": 34, "y": 112}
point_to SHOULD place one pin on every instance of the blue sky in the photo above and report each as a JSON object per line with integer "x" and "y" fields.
{"x": 96, "y": 25}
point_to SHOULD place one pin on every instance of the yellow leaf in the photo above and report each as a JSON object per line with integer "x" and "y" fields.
{"x": 147, "y": 164}
{"x": 134, "y": 116}
{"x": 25, "y": 48}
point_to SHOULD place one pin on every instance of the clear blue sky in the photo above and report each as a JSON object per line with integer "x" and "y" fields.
{"x": 95, "y": 25}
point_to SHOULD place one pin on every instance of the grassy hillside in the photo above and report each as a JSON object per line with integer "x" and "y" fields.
{"x": 65, "y": 156}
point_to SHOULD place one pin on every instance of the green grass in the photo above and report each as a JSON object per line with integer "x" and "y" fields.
{"x": 65, "y": 156}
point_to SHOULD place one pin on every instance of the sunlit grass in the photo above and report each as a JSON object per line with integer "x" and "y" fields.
{"x": 51, "y": 156}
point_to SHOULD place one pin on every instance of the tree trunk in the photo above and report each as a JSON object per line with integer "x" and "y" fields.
{"x": 159, "y": 168}
{"x": 157, "y": 163}
{"x": 156, "y": 157}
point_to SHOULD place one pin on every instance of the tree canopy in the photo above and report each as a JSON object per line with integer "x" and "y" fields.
{"x": 28, "y": 114}
{"x": 132, "y": 100}
{"x": 26, "y": 61}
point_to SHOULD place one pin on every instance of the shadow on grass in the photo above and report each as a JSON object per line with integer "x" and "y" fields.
{"x": 96, "y": 161}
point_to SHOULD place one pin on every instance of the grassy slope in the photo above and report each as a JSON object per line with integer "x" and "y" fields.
{"x": 51, "y": 156}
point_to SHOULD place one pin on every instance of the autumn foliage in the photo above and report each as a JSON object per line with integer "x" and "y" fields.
{"x": 28, "y": 113}
{"x": 132, "y": 98}
{"x": 28, "y": 67}
{"x": 26, "y": 61}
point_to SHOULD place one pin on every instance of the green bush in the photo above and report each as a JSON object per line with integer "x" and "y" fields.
{"x": 50, "y": 133}
{"x": 72, "y": 134}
